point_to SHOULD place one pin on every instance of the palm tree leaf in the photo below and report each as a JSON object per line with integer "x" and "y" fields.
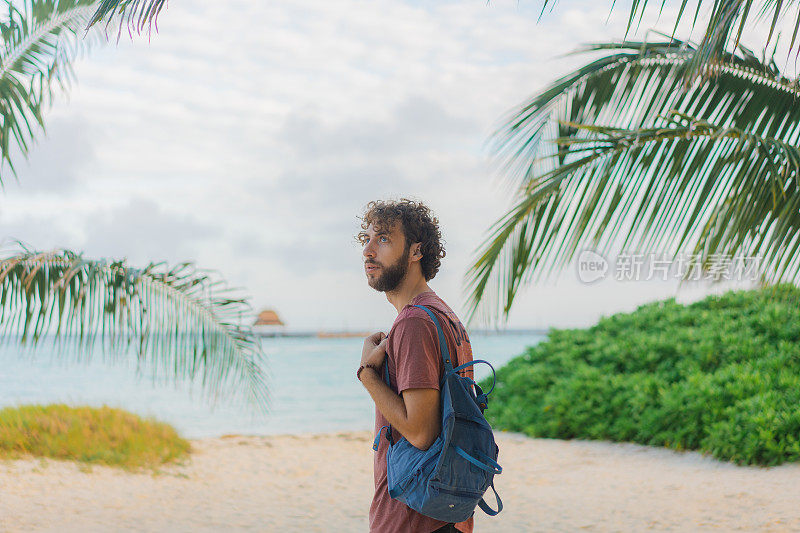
{"x": 722, "y": 190}
{"x": 724, "y": 28}
{"x": 181, "y": 322}
{"x": 134, "y": 14}
{"x": 632, "y": 87}
{"x": 40, "y": 41}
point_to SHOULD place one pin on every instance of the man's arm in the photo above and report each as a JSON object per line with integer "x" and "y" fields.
{"x": 414, "y": 413}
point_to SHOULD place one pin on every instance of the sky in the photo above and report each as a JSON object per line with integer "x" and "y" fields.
{"x": 248, "y": 137}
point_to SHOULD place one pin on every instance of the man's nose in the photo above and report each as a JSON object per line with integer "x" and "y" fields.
{"x": 368, "y": 250}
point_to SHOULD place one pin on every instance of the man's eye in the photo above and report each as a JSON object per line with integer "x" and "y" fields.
{"x": 382, "y": 237}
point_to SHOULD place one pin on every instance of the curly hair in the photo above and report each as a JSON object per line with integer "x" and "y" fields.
{"x": 418, "y": 224}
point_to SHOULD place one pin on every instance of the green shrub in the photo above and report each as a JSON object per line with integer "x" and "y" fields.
{"x": 763, "y": 429}
{"x": 90, "y": 435}
{"x": 721, "y": 375}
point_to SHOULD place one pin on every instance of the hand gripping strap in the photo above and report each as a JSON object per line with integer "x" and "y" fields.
{"x": 448, "y": 367}
{"x": 488, "y": 510}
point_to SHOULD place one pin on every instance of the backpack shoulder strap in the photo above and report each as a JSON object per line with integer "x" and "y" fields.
{"x": 448, "y": 366}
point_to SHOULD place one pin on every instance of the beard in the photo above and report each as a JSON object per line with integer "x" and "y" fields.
{"x": 392, "y": 275}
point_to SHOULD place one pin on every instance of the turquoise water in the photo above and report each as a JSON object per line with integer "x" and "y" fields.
{"x": 311, "y": 380}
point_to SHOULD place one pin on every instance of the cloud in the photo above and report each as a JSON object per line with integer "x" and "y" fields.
{"x": 142, "y": 231}
{"x": 334, "y": 170}
{"x": 56, "y": 158}
{"x": 37, "y": 233}
{"x": 416, "y": 124}
{"x": 248, "y": 136}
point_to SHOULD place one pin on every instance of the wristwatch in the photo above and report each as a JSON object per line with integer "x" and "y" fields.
{"x": 362, "y": 367}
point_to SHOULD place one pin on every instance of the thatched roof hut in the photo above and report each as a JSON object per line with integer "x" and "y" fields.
{"x": 268, "y": 317}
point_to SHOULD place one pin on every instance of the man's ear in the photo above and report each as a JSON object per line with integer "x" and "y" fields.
{"x": 416, "y": 250}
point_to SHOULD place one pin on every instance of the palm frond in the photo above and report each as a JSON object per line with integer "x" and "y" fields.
{"x": 134, "y": 14}
{"x": 181, "y": 322}
{"x": 720, "y": 190}
{"x": 724, "y": 29}
{"x": 40, "y": 41}
{"x": 635, "y": 83}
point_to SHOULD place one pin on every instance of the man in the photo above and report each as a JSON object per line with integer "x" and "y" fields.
{"x": 402, "y": 252}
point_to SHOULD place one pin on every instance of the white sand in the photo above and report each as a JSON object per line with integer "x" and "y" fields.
{"x": 324, "y": 483}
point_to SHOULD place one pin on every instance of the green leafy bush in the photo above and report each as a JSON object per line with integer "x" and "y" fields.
{"x": 721, "y": 376}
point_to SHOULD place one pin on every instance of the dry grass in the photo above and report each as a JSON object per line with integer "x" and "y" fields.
{"x": 90, "y": 435}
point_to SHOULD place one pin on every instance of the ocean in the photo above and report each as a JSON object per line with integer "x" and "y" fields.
{"x": 312, "y": 384}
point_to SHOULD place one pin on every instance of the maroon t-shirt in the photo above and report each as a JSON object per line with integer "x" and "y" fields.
{"x": 415, "y": 362}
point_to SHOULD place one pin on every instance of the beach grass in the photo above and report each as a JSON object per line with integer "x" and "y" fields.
{"x": 89, "y": 435}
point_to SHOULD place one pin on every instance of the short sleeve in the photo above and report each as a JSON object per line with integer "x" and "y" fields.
{"x": 415, "y": 344}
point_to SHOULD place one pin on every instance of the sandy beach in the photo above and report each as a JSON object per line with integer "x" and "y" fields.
{"x": 324, "y": 483}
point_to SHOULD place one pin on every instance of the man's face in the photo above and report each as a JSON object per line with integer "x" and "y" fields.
{"x": 385, "y": 257}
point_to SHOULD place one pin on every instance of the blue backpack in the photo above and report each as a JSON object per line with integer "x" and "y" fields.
{"x": 448, "y": 480}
